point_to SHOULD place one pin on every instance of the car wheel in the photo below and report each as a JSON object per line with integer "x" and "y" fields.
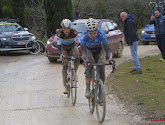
{"x": 52, "y": 60}
{"x": 120, "y": 50}
{"x": 145, "y": 43}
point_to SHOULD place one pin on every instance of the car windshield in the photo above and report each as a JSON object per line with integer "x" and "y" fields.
{"x": 79, "y": 27}
{"x": 8, "y": 27}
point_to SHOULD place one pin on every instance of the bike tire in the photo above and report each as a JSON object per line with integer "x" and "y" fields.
{"x": 91, "y": 100}
{"x": 68, "y": 87}
{"x": 73, "y": 86}
{"x": 42, "y": 46}
{"x": 33, "y": 47}
{"x": 100, "y": 104}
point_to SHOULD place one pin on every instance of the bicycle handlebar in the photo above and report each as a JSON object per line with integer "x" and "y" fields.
{"x": 72, "y": 57}
{"x": 101, "y": 64}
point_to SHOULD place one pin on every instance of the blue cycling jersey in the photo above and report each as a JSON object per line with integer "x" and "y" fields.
{"x": 93, "y": 43}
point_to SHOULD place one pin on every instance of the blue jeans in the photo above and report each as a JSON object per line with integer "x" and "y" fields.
{"x": 133, "y": 49}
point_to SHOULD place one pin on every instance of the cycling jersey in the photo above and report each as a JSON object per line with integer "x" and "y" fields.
{"x": 66, "y": 40}
{"x": 93, "y": 43}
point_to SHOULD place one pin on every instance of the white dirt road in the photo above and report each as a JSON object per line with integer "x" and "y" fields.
{"x": 31, "y": 93}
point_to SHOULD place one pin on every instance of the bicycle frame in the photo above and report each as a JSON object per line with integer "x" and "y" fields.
{"x": 96, "y": 77}
{"x": 97, "y": 93}
{"x": 71, "y": 78}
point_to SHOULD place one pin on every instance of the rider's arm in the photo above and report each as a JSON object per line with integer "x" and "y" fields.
{"x": 84, "y": 51}
{"x": 107, "y": 50}
{"x": 105, "y": 44}
{"x": 83, "y": 47}
{"x": 59, "y": 45}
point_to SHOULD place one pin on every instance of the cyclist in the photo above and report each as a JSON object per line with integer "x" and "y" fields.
{"x": 92, "y": 40}
{"x": 67, "y": 46}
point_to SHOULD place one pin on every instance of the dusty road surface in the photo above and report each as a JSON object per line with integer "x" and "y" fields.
{"x": 31, "y": 93}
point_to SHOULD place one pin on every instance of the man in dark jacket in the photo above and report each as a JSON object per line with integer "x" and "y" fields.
{"x": 132, "y": 39}
{"x": 159, "y": 22}
{"x": 77, "y": 16}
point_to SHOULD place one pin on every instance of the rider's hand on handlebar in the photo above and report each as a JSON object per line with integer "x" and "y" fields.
{"x": 86, "y": 63}
{"x": 112, "y": 62}
{"x": 61, "y": 56}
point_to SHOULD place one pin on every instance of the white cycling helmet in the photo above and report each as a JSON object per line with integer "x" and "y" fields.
{"x": 91, "y": 25}
{"x": 66, "y": 23}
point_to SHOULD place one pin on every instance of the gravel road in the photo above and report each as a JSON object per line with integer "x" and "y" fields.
{"x": 31, "y": 93}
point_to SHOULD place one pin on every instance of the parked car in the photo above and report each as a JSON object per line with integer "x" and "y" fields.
{"x": 148, "y": 34}
{"x": 114, "y": 36}
{"x": 13, "y": 36}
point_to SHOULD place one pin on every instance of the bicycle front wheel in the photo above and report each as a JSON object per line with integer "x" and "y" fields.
{"x": 68, "y": 86}
{"x": 91, "y": 100}
{"x": 73, "y": 86}
{"x": 100, "y": 101}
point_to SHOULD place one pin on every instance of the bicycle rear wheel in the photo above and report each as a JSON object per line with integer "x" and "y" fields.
{"x": 100, "y": 101}
{"x": 33, "y": 47}
{"x": 42, "y": 47}
{"x": 92, "y": 99}
{"x": 73, "y": 86}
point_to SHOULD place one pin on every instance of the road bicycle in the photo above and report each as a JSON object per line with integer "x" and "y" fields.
{"x": 97, "y": 92}
{"x": 41, "y": 40}
{"x": 42, "y": 35}
{"x": 71, "y": 79}
{"x": 33, "y": 47}
{"x": 37, "y": 46}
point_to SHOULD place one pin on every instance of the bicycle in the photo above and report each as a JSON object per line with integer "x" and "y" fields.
{"x": 40, "y": 40}
{"x": 97, "y": 92}
{"x": 71, "y": 78}
{"x": 33, "y": 47}
{"x": 42, "y": 35}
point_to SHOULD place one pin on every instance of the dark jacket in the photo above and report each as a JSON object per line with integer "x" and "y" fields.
{"x": 76, "y": 18}
{"x": 130, "y": 30}
{"x": 159, "y": 23}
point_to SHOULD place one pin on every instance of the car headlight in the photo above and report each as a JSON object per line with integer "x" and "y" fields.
{"x": 143, "y": 31}
{"x": 32, "y": 38}
{"x": 49, "y": 42}
{"x": 5, "y": 39}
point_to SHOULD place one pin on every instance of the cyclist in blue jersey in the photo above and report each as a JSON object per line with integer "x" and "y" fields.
{"x": 67, "y": 46}
{"x": 92, "y": 40}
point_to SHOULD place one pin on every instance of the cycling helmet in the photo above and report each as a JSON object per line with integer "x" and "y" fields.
{"x": 66, "y": 23}
{"x": 91, "y": 25}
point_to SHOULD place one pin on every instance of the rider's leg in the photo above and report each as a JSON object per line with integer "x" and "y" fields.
{"x": 88, "y": 76}
{"x": 100, "y": 58}
{"x": 64, "y": 70}
{"x": 75, "y": 53}
{"x": 88, "y": 73}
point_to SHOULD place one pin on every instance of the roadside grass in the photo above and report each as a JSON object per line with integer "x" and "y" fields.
{"x": 145, "y": 92}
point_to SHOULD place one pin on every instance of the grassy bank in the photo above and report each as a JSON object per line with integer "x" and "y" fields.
{"x": 144, "y": 92}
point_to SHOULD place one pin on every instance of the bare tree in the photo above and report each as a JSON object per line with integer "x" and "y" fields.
{"x": 35, "y": 14}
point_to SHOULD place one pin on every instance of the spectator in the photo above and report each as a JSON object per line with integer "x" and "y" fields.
{"x": 132, "y": 39}
{"x": 77, "y": 16}
{"x": 91, "y": 15}
{"x": 159, "y": 22}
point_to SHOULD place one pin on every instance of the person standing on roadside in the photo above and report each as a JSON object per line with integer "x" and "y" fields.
{"x": 77, "y": 16}
{"x": 159, "y": 22}
{"x": 132, "y": 39}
